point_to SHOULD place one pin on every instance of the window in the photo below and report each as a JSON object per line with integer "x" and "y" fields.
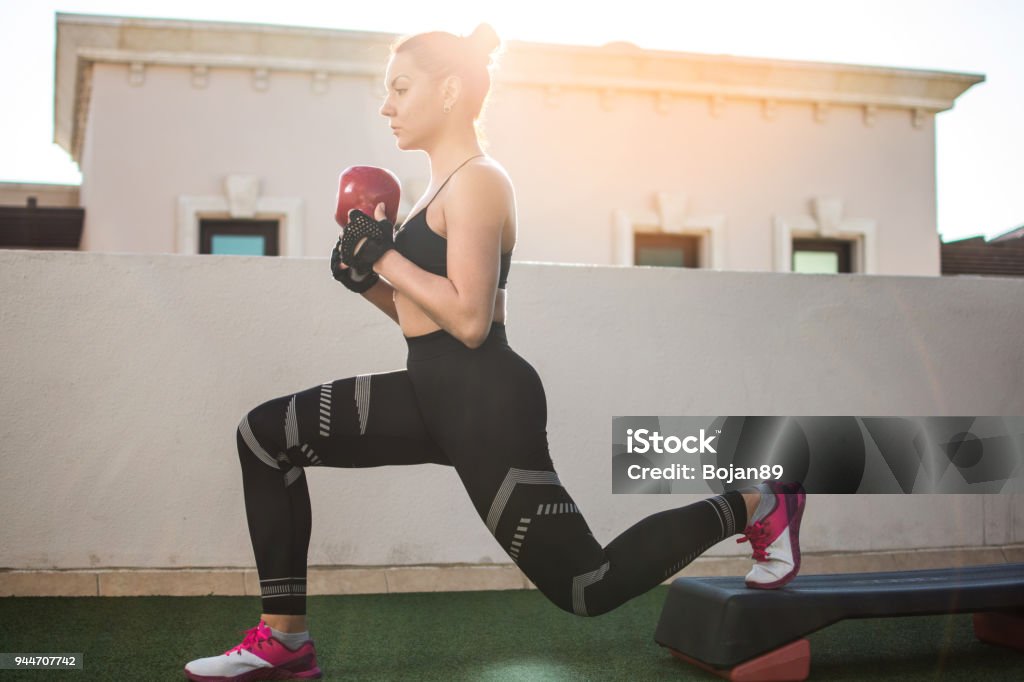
{"x": 671, "y": 250}
{"x": 239, "y": 237}
{"x": 33, "y": 227}
{"x": 821, "y": 255}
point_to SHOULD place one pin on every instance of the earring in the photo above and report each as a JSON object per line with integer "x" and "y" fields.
{"x": 447, "y": 108}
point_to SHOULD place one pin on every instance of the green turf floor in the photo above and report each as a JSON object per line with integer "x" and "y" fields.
{"x": 508, "y": 635}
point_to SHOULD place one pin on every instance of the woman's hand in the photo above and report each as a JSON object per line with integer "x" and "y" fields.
{"x": 379, "y": 214}
{"x": 353, "y": 279}
{"x": 364, "y": 239}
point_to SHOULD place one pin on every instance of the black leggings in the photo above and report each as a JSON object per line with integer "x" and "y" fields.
{"x": 483, "y": 412}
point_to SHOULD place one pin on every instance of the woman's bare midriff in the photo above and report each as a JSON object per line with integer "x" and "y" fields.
{"x": 411, "y": 318}
{"x": 415, "y": 322}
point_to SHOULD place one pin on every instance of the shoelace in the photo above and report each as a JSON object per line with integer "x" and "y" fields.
{"x": 253, "y": 637}
{"x": 757, "y": 535}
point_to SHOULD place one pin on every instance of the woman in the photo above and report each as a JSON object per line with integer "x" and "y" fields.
{"x": 465, "y": 400}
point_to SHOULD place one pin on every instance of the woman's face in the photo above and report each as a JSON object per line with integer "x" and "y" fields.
{"x": 413, "y": 102}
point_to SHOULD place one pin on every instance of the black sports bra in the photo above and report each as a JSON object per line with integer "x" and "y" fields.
{"x": 429, "y": 250}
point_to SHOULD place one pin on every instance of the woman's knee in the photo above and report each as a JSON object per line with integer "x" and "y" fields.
{"x": 562, "y": 597}
{"x": 260, "y": 433}
{"x": 569, "y": 592}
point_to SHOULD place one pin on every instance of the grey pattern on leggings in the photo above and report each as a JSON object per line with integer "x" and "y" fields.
{"x": 519, "y": 537}
{"x": 512, "y": 479}
{"x": 362, "y": 395}
{"x": 291, "y": 426}
{"x": 579, "y": 585}
{"x": 725, "y": 515}
{"x": 282, "y": 587}
{"x": 325, "y": 410}
{"x": 254, "y": 445}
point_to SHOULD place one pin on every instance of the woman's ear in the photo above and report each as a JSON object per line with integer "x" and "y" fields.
{"x": 452, "y": 90}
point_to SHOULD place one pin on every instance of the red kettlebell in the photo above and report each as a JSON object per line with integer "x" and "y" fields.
{"x": 364, "y": 187}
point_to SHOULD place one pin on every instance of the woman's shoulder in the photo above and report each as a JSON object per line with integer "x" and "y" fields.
{"x": 481, "y": 190}
{"x": 484, "y": 174}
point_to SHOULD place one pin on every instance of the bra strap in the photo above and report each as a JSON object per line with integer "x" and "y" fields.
{"x": 449, "y": 178}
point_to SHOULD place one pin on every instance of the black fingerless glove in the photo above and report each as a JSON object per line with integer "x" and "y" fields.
{"x": 355, "y": 281}
{"x": 380, "y": 239}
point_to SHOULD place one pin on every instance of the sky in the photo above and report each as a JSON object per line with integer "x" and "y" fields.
{"x": 979, "y": 143}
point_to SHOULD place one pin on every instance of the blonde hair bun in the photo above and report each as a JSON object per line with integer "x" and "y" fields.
{"x": 484, "y": 39}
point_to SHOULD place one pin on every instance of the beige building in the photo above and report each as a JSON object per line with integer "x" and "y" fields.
{"x": 198, "y": 137}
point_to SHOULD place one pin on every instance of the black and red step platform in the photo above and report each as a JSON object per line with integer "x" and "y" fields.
{"x": 750, "y": 635}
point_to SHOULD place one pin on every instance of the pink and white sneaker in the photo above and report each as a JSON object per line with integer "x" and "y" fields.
{"x": 260, "y": 656}
{"x": 776, "y": 538}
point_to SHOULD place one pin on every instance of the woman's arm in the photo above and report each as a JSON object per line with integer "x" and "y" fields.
{"x": 382, "y": 295}
{"x": 463, "y": 302}
{"x": 371, "y": 286}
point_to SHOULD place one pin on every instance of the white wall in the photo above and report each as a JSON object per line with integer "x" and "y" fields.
{"x": 124, "y": 377}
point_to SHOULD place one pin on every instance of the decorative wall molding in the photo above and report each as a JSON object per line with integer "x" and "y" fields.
{"x": 870, "y": 114}
{"x": 83, "y": 40}
{"x": 240, "y": 200}
{"x": 136, "y": 74}
{"x": 320, "y": 80}
{"x": 609, "y": 98}
{"x": 821, "y": 111}
{"x": 200, "y": 76}
{"x": 552, "y": 96}
{"x": 261, "y": 79}
{"x": 717, "y": 103}
{"x": 671, "y": 217}
{"x": 243, "y": 192}
{"x": 826, "y": 220}
{"x": 664, "y": 103}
